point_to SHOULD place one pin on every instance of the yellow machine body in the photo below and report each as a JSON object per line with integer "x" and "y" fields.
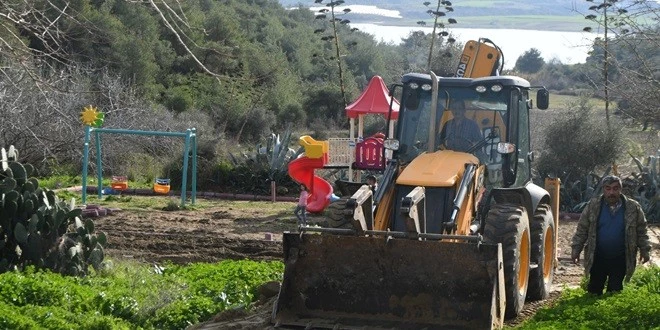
{"x": 382, "y": 283}
{"x": 453, "y": 238}
{"x": 478, "y": 60}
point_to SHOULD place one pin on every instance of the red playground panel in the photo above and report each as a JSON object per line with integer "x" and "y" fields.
{"x": 369, "y": 154}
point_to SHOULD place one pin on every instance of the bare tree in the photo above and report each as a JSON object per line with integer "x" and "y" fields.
{"x": 31, "y": 38}
{"x": 330, "y": 13}
{"x": 43, "y": 89}
{"x": 443, "y": 7}
{"x": 630, "y": 68}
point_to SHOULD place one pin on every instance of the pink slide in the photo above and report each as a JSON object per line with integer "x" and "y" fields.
{"x": 302, "y": 171}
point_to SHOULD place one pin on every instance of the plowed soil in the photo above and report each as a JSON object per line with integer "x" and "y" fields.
{"x": 225, "y": 232}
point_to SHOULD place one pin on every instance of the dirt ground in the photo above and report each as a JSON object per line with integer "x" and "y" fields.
{"x": 225, "y": 232}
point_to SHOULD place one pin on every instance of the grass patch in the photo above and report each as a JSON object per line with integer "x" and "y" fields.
{"x": 636, "y": 307}
{"x": 63, "y": 181}
{"x": 561, "y": 102}
{"x": 60, "y": 181}
{"x": 142, "y": 203}
{"x": 129, "y": 295}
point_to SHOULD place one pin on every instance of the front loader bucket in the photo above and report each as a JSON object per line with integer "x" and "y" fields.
{"x": 348, "y": 282}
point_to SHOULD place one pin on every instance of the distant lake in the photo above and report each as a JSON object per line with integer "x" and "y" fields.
{"x": 568, "y": 47}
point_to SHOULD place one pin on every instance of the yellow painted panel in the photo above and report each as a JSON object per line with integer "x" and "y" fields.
{"x": 438, "y": 169}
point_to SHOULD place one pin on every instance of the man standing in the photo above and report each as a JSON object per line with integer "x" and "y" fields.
{"x": 613, "y": 227}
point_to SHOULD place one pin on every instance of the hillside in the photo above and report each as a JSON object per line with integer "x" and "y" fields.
{"x": 552, "y": 15}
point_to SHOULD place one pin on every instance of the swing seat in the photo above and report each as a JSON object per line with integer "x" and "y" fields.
{"x": 119, "y": 183}
{"x": 162, "y": 186}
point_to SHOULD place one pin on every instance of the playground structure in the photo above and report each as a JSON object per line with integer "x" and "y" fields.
{"x": 94, "y": 119}
{"x": 302, "y": 170}
{"x": 368, "y": 153}
{"x": 354, "y": 153}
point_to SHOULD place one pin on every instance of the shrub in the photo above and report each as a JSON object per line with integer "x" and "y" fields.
{"x": 179, "y": 99}
{"x": 140, "y": 167}
{"x": 578, "y": 144}
{"x": 174, "y": 171}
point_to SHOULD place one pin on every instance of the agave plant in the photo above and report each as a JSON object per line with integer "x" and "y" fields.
{"x": 279, "y": 154}
{"x": 575, "y": 194}
{"x": 646, "y": 186}
{"x": 268, "y": 163}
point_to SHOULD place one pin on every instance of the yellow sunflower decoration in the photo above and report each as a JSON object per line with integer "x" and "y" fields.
{"x": 90, "y": 116}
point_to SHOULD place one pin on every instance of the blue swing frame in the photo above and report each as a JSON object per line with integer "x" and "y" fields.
{"x": 190, "y": 143}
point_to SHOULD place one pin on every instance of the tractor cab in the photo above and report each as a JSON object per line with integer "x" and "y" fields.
{"x": 493, "y": 123}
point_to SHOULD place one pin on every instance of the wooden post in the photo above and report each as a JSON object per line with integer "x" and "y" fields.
{"x": 273, "y": 190}
{"x": 351, "y": 149}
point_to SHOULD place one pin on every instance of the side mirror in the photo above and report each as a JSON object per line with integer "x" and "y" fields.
{"x": 506, "y": 148}
{"x": 542, "y": 99}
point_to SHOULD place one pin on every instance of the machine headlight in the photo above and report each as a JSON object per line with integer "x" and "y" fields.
{"x": 496, "y": 88}
{"x": 413, "y": 85}
{"x": 427, "y": 87}
{"x": 480, "y": 89}
{"x": 391, "y": 144}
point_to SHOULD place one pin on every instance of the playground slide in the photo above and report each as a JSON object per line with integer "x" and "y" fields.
{"x": 302, "y": 171}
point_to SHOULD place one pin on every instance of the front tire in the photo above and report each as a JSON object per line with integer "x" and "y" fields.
{"x": 508, "y": 224}
{"x": 338, "y": 216}
{"x": 543, "y": 254}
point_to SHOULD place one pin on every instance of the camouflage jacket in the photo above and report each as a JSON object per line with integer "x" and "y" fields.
{"x": 635, "y": 236}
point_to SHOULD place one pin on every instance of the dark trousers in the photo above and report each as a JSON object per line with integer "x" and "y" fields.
{"x": 300, "y": 213}
{"x": 612, "y": 270}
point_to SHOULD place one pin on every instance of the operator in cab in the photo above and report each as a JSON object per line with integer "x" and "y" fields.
{"x": 459, "y": 133}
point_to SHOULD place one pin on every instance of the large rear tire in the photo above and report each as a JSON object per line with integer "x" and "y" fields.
{"x": 508, "y": 224}
{"x": 338, "y": 215}
{"x": 543, "y": 254}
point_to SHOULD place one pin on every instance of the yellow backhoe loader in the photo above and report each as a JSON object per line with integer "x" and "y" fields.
{"x": 452, "y": 239}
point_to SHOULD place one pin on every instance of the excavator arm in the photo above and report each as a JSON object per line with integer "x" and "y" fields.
{"x": 480, "y": 58}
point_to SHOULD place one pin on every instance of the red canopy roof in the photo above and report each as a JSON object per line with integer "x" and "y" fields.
{"x": 374, "y": 100}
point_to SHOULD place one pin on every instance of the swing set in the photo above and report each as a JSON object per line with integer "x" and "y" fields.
{"x": 93, "y": 120}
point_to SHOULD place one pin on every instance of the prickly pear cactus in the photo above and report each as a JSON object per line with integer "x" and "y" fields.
{"x": 36, "y": 228}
